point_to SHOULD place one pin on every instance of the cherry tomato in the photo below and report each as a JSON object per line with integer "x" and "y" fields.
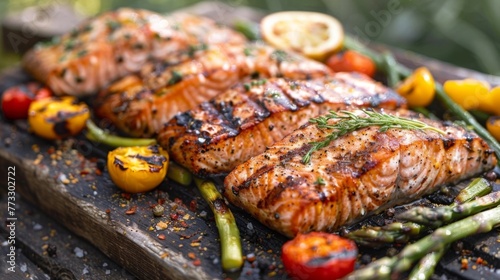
{"x": 351, "y": 61}
{"x": 319, "y": 255}
{"x": 17, "y": 99}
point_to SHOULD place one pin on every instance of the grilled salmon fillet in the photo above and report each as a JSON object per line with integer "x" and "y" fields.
{"x": 357, "y": 174}
{"x": 141, "y": 104}
{"x": 240, "y": 123}
{"x": 118, "y": 43}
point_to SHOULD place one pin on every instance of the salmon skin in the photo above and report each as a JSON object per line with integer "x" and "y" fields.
{"x": 231, "y": 128}
{"x": 140, "y": 105}
{"x": 118, "y": 43}
{"x": 360, "y": 173}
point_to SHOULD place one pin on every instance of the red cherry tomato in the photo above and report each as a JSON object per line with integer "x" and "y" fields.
{"x": 351, "y": 61}
{"x": 319, "y": 255}
{"x": 17, "y": 99}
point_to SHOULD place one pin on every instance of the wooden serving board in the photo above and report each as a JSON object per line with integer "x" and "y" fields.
{"x": 63, "y": 179}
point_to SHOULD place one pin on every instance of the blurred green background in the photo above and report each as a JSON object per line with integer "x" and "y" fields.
{"x": 465, "y": 33}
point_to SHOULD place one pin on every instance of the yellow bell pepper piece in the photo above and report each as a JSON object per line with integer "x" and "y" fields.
{"x": 138, "y": 169}
{"x": 57, "y": 117}
{"x": 493, "y": 126}
{"x": 491, "y": 102}
{"x": 468, "y": 93}
{"x": 418, "y": 89}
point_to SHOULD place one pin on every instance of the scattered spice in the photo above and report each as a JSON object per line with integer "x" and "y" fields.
{"x": 161, "y": 236}
{"x": 131, "y": 211}
{"x": 464, "y": 264}
{"x": 197, "y": 262}
{"x": 161, "y": 225}
{"x": 158, "y": 210}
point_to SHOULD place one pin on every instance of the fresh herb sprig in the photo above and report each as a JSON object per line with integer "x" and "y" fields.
{"x": 349, "y": 122}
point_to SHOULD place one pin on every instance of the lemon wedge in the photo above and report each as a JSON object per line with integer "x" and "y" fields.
{"x": 314, "y": 35}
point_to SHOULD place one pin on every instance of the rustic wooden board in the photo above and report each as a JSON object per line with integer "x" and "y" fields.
{"x": 93, "y": 208}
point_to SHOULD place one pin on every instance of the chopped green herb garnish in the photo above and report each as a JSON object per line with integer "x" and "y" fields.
{"x": 176, "y": 77}
{"x": 113, "y": 25}
{"x": 247, "y": 86}
{"x": 280, "y": 56}
{"x": 81, "y": 53}
{"x": 248, "y": 51}
{"x": 273, "y": 93}
{"x": 320, "y": 181}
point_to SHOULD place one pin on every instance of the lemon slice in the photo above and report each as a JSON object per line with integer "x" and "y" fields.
{"x": 314, "y": 35}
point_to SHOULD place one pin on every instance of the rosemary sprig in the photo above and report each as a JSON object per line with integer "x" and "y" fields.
{"x": 350, "y": 122}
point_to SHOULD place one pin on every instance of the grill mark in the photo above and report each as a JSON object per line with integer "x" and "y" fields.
{"x": 275, "y": 194}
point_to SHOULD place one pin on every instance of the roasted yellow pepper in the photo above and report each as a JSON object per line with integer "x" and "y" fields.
{"x": 57, "y": 117}
{"x": 474, "y": 95}
{"x": 138, "y": 169}
{"x": 493, "y": 126}
{"x": 418, "y": 89}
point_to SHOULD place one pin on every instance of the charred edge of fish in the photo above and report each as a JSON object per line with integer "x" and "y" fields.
{"x": 220, "y": 206}
{"x": 448, "y": 143}
{"x": 119, "y": 163}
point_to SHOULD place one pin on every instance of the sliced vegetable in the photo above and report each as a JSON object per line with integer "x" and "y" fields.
{"x": 319, "y": 255}
{"x": 138, "y": 169}
{"x": 231, "y": 251}
{"x": 57, "y": 117}
{"x": 315, "y": 35}
{"x": 493, "y": 126}
{"x": 419, "y": 88}
{"x": 468, "y": 93}
{"x": 351, "y": 61}
{"x": 17, "y": 99}
{"x": 94, "y": 133}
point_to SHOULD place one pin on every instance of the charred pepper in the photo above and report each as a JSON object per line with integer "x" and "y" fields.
{"x": 138, "y": 169}
{"x": 57, "y": 117}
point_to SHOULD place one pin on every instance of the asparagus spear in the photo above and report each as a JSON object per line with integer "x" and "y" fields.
{"x": 179, "y": 174}
{"x": 231, "y": 251}
{"x": 94, "y": 133}
{"x": 426, "y": 266}
{"x": 402, "y": 232}
{"x": 438, "y": 240}
{"x": 438, "y": 216}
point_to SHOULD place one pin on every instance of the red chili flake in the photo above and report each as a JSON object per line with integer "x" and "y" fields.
{"x": 251, "y": 257}
{"x": 174, "y": 216}
{"x": 184, "y": 224}
{"x": 193, "y": 205}
{"x": 191, "y": 255}
{"x": 464, "y": 264}
{"x": 161, "y": 236}
{"x": 479, "y": 260}
{"x": 84, "y": 172}
{"x": 131, "y": 210}
{"x": 51, "y": 150}
{"x": 161, "y": 200}
{"x": 178, "y": 201}
{"x": 98, "y": 172}
{"x": 125, "y": 195}
{"x": 197, "y": 262}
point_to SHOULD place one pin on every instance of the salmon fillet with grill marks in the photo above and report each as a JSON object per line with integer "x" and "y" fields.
{"x": 357, "y": 174}
{"x": 118, "y": 43}
{"x": 140, "y": 105}
{"x": 218, "y": 135}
